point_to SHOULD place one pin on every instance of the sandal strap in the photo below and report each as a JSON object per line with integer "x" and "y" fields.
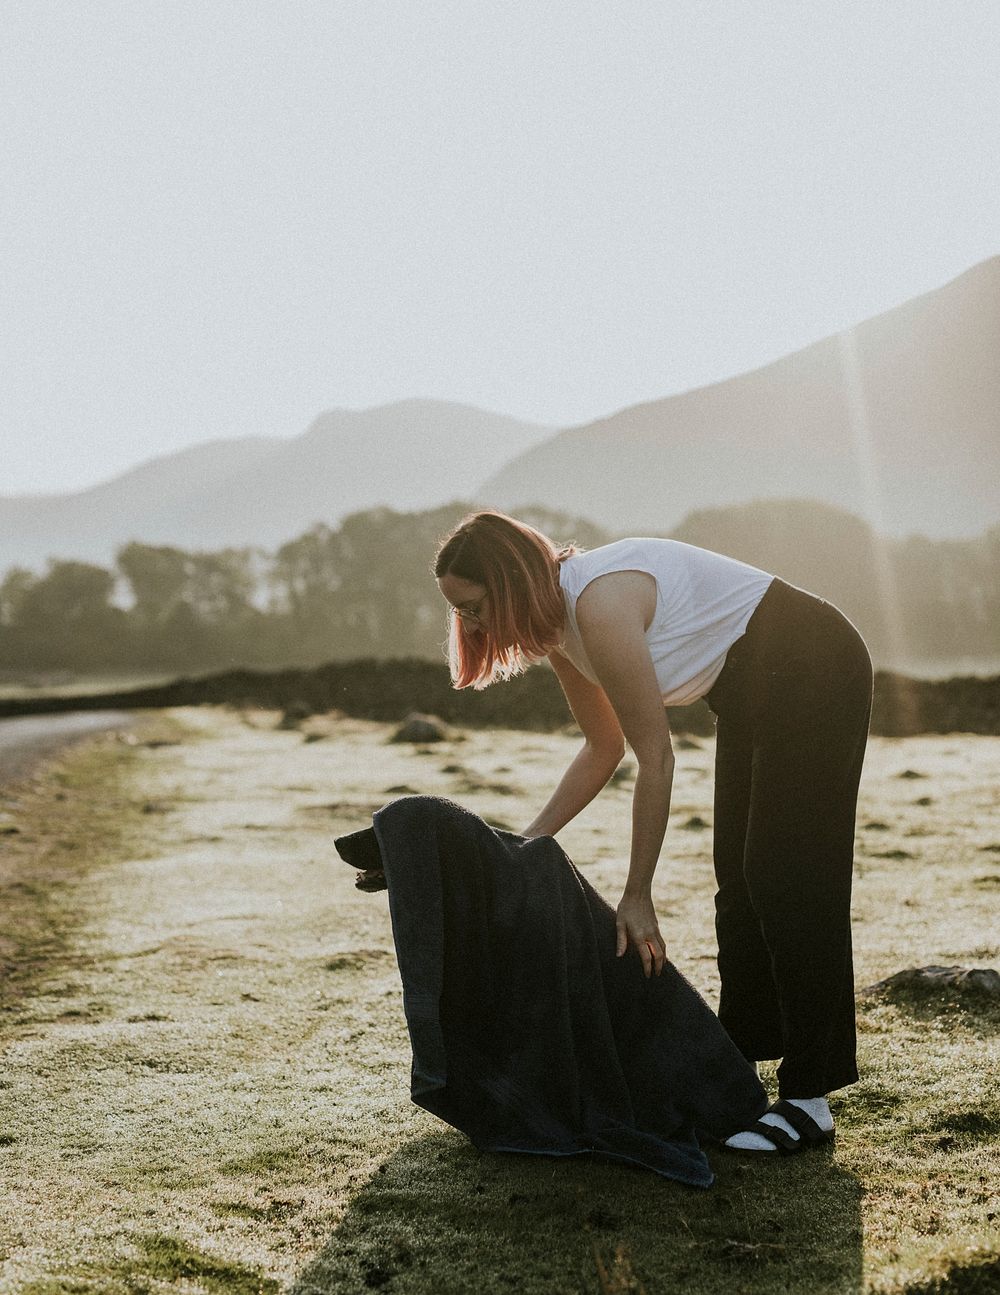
{"x": 802, "y": 1122}
{"x": 777, "y": 1137}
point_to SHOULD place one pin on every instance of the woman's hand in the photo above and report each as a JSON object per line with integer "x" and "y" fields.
{"x": 637, "y": 925}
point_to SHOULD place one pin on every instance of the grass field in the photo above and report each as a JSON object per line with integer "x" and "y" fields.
{"x": 204, "y": 1083}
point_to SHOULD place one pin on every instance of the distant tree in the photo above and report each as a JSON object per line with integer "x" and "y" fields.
{"x": 384, "y": 561}
{"x": 914, "y": 599}
{"x": 70, "y": 592}
{"x": 15, "y": 586}
{"x": 184, "y": 641}
{"x": 366, "y": 588}
{"x": 15, "y": 643}
{"x": 562, "y": 527}
{"x": 816, "y": 546}
{"x": 157, "y": 575}
{"x": 949, "y": 591}
{"x": 387, "y": 602}
{"x": 216, "y": 586}
{"x": 221, "y": 586}
{"x": 303, "y": 578}
{"x": 65, "y": 618}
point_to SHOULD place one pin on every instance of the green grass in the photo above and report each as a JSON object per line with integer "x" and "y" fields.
{"x": 207, "y": 1062}
{"x": 161, "y": 1261}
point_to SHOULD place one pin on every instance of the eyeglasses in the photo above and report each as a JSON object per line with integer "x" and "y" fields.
{"x": 470, "y": 613}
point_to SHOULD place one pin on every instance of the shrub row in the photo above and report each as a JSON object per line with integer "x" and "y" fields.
{"x": 389, "y": 689}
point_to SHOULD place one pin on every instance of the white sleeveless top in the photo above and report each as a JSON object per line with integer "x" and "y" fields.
{"x": 703, "y": 603}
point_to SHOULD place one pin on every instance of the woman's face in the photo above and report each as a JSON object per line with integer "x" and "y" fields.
{"x": 469, "y": 600}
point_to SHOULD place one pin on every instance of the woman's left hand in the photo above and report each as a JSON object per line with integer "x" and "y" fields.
{"x": 637, "y": 925}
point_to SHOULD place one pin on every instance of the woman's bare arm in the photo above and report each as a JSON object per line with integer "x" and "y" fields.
{"x": 604, "y": 746}
{"x": 612, "y": 628}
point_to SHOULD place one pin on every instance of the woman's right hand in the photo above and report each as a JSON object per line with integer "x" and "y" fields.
{"x": 637, "y": 925}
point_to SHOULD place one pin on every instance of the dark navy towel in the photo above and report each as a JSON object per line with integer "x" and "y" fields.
{"x": 528, "y": 1033}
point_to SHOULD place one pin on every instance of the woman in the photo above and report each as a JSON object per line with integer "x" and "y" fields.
{"x": 632, "y": 626}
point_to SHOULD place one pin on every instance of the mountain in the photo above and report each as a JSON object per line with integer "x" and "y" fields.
{"x": 264, "y": 490}
{"x": 896, "y": 419}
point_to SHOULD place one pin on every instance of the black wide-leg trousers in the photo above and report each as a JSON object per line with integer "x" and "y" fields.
{"x": 793, "y": 703}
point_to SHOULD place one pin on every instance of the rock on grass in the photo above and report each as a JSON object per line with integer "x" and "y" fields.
{"x": 421, "y": 728}
{"x": 982, "y": 982}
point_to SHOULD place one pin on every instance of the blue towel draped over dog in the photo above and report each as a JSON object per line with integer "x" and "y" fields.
{"x": 528, "y": 1033}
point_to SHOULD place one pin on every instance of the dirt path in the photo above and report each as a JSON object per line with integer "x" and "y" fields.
{"x": 24, "y": 743}
{"x": 211, "y": 1072}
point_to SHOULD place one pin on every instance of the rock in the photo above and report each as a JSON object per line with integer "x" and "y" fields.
{"x": 295, "y": 713}
{"x": 355, "y": 959}
{"x": 421, "y": 728}
{"x": 982, "y": 981}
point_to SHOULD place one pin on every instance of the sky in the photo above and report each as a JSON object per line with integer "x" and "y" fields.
{"x": 221, "y": 219}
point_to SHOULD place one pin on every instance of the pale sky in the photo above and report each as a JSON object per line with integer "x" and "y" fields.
{"x": 221, "y": 218}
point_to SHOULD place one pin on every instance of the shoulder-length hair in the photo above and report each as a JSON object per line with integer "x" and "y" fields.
{"x": 519, "y": 568}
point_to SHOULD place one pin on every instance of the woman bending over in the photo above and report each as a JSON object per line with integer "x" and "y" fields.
{"x": 633, "y": 626}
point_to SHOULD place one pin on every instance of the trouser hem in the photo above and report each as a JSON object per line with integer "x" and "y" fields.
{"x": 816, "y": 1087}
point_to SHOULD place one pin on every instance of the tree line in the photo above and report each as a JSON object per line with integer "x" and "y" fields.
{"x": 365, "y": 589}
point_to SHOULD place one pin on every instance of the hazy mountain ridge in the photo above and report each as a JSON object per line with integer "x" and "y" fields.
{"x": 152, "y": 496}
{"x": 897, "y": 420}
{"x": 265, "y": 490}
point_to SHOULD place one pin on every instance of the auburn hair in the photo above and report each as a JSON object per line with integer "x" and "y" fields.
{"x": 519, "y": 568}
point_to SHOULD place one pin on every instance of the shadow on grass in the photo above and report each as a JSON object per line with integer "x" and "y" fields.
{"x": 440, "y": 1216}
